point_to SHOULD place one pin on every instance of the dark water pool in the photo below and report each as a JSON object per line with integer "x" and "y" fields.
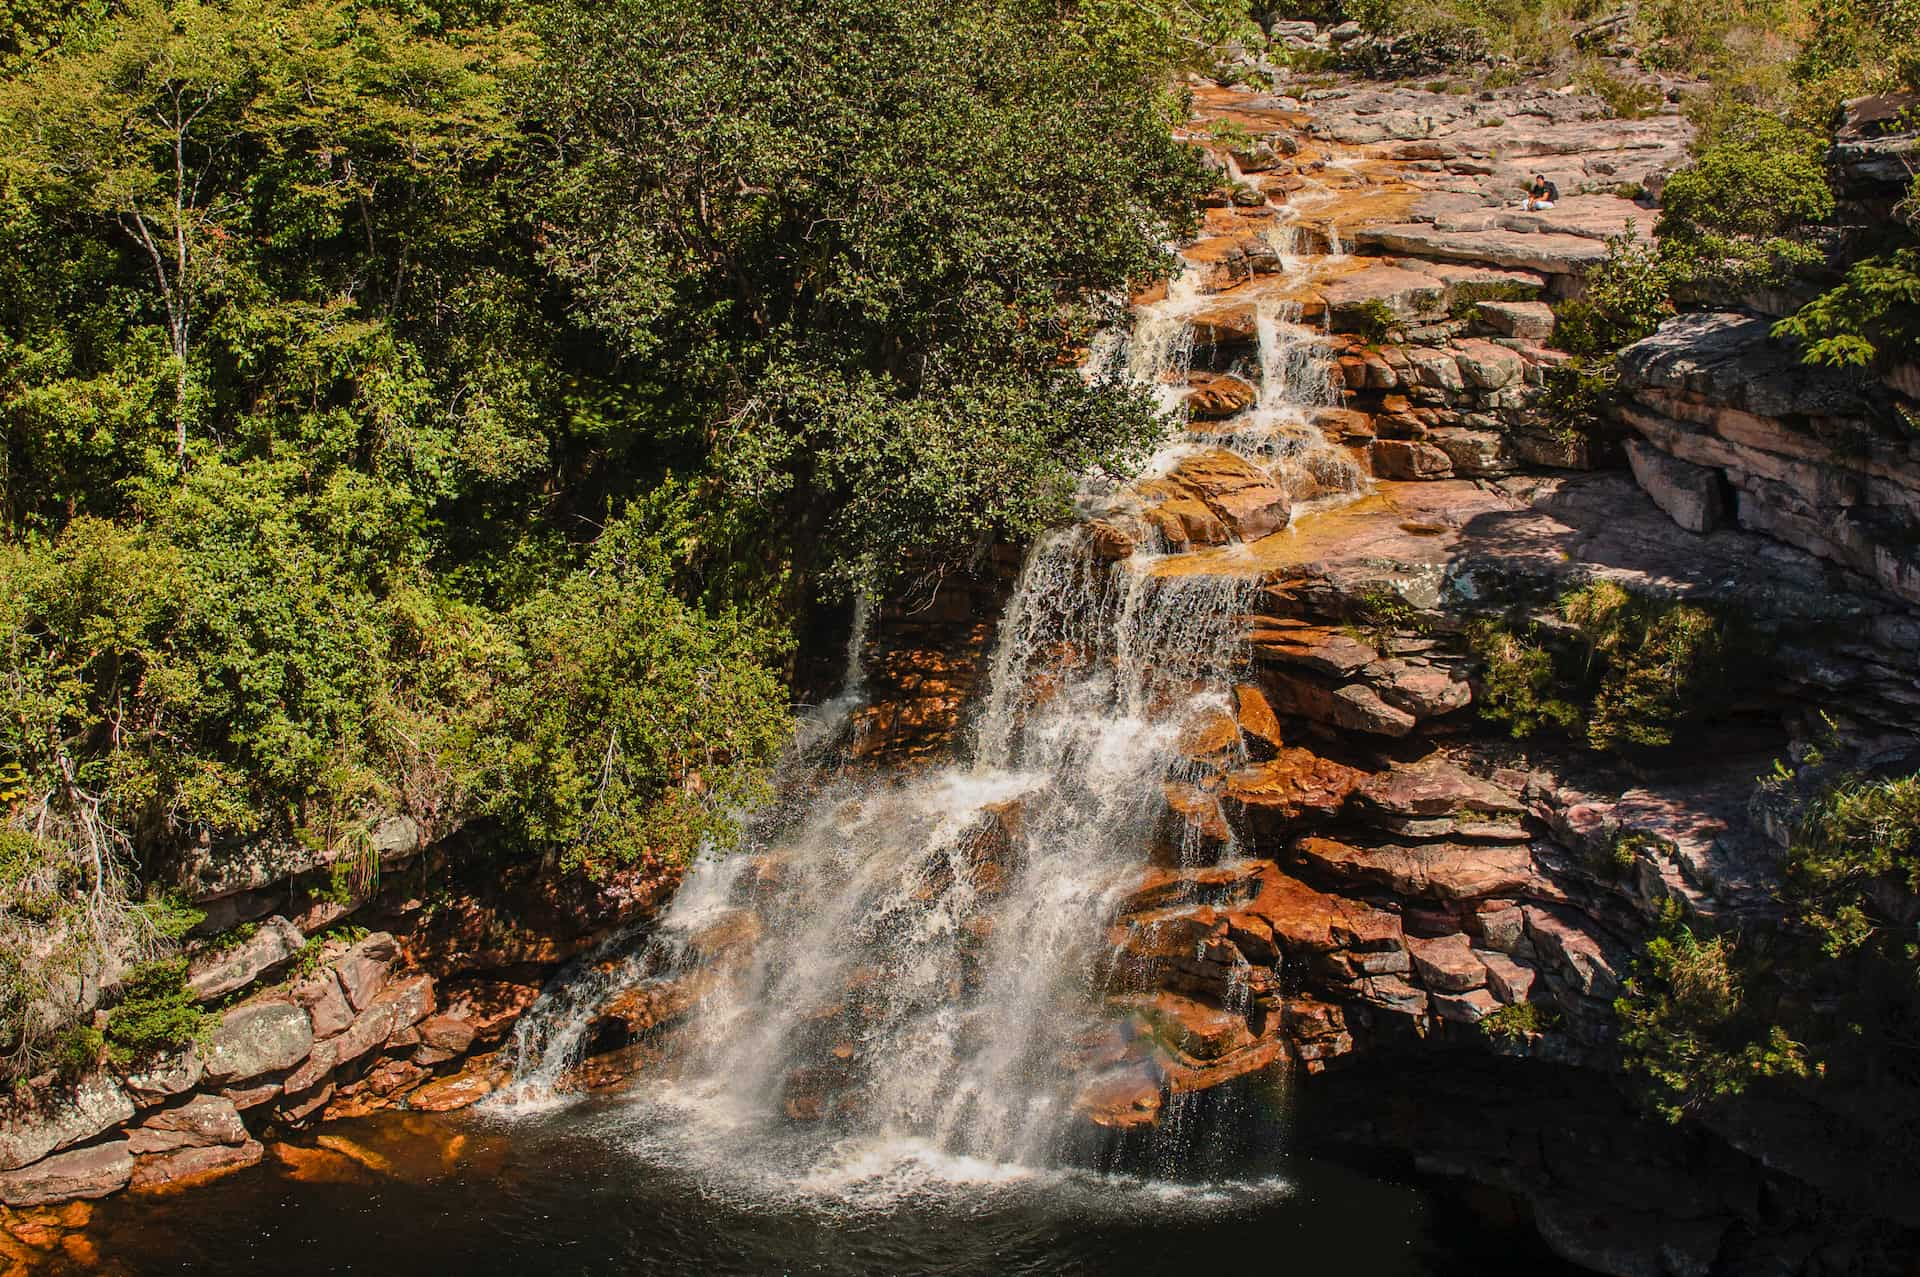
{"x": 595, "y": 1190}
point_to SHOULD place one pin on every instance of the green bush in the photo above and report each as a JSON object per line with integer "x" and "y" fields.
{"x": 1853, "y": 867}
{"x": 1625, "y": 99}
{"x": 1663, "y": 664}
{"x": 1631, "y": 674}
{"x": 1576, "y": 396}
{"x": 1375, "y": 321}
{"x": 1872, "y": 318}
{"x": 155, "y": 1013}
{"x": 1687, "y": 1023}
{"x": 1519, "y": 1021}
{"x": 77, "y": 1049}
{"x": 1739, "y": 216}
{"x": 1519, "y": 682}
{"x": 1627, "y": 296}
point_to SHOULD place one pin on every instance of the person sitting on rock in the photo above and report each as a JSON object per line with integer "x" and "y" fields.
{"x": 1544, "y": 194}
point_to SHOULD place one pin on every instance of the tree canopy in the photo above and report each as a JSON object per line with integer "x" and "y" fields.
{"x": 452, "y": 409}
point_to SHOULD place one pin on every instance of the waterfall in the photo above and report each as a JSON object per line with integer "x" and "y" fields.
{"x": 930, "y": 960}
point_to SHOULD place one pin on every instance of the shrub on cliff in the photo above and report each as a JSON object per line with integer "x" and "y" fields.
{"x": 1853, "y": 870}
{"x": 1687, "y": 1022}
{"x": 1629, "y": 673}
{"x": 1740, "y": 216}
{"x": 1871, "y": 319}
{"x": 1627, "y": 296}
{"x": 640, "y": 727}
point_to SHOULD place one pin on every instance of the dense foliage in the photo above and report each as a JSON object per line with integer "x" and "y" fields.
{"x": 1739, "y": 216}
{"x": 450, "y": 409}
{"x": 1837, "y": 989}
{"x": 1688, "y": 1022}
{"x": 1624, "y": 673}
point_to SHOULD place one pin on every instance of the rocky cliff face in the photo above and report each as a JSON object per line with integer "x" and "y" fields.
{"x": 1355, "y": 865}
{"x": 1734, "y": 432}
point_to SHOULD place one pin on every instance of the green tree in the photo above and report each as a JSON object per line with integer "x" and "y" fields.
{"x": 1739, "y": 215}
{"x": 865, "y": 238}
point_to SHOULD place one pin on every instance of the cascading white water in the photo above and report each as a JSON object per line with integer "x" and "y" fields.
{"x": 931, "y": 950}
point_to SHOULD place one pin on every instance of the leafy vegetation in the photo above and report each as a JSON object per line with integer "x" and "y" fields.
{"x": 1519, "y": 1021}
{"x": 1375, "y": 321}
{"x": 1687, "y": 1022}
{"x": 1740, "y": 215}
{"x": 1870, "y": 319}
{"x": 156, "y": 1014}
{"x": 1853, "y": 870}
{"x": 452, "y": 410}
{"x": 1705, "y": 1015}
{"x": 1628, "y": 673}
{"x": 1627, "y": 296}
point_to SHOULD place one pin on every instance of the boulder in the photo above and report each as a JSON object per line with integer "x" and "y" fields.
{"x": 1425, "y": 691}
{"x": 1447, "y": 964}
{"x": 1353, "y": 707}
{"x": 1469, "y": 1007}
{"x": 1121, "y": 1100}
{"x": 1529, "y": 321}
{"x": 203, "y": 1120}
{"x": 1473, "y": 453}
{"x": 477, "y": 1081}
{"x": 1693, "y": 496}
{"x": 363, "y": 969}
{"x": 93, "y": 1171}
{"x": 297, "y": 1107}
{"x": 275, "y": 942}
{"x": 1434, "y": 787}
{"x": 447, "y": 1033}
{"x": 1550, "y": 253}
{"x": 1508, "y": 980}
{"x": 1573, "y": 952}
{"x": 1190, "y": 1027}
{"x": 1213, "y": 395}
{"x": 252, "y": 1097}
{"x": 33, "y": 1126}
{"x": 1407, "y": 459}
{"x": 405, "y": 1003}
{"x": 1486, "y": 366}
{"x": 174, "y": 1075}
{"x": 1393, "y": 994}
{"x": 325, "y": 1002}
{"x": 1296, "y": 783}
{"x": 188, "y": 1166}
{"x": 258, "y": 1038}
{"x": 1324, "y": 649}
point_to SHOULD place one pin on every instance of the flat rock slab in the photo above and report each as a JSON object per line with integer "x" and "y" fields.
{"x": 93, "y": 1171}
{"x": 204, "y": 1120}
{"x": 1407, "y": 293}
{"x": 187, "y": 1166}
{"x": 1551, "y": 253}
{"x": 274, "y": 943}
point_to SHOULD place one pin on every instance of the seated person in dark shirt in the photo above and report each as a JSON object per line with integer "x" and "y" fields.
{"x": 1543, "y": 195}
